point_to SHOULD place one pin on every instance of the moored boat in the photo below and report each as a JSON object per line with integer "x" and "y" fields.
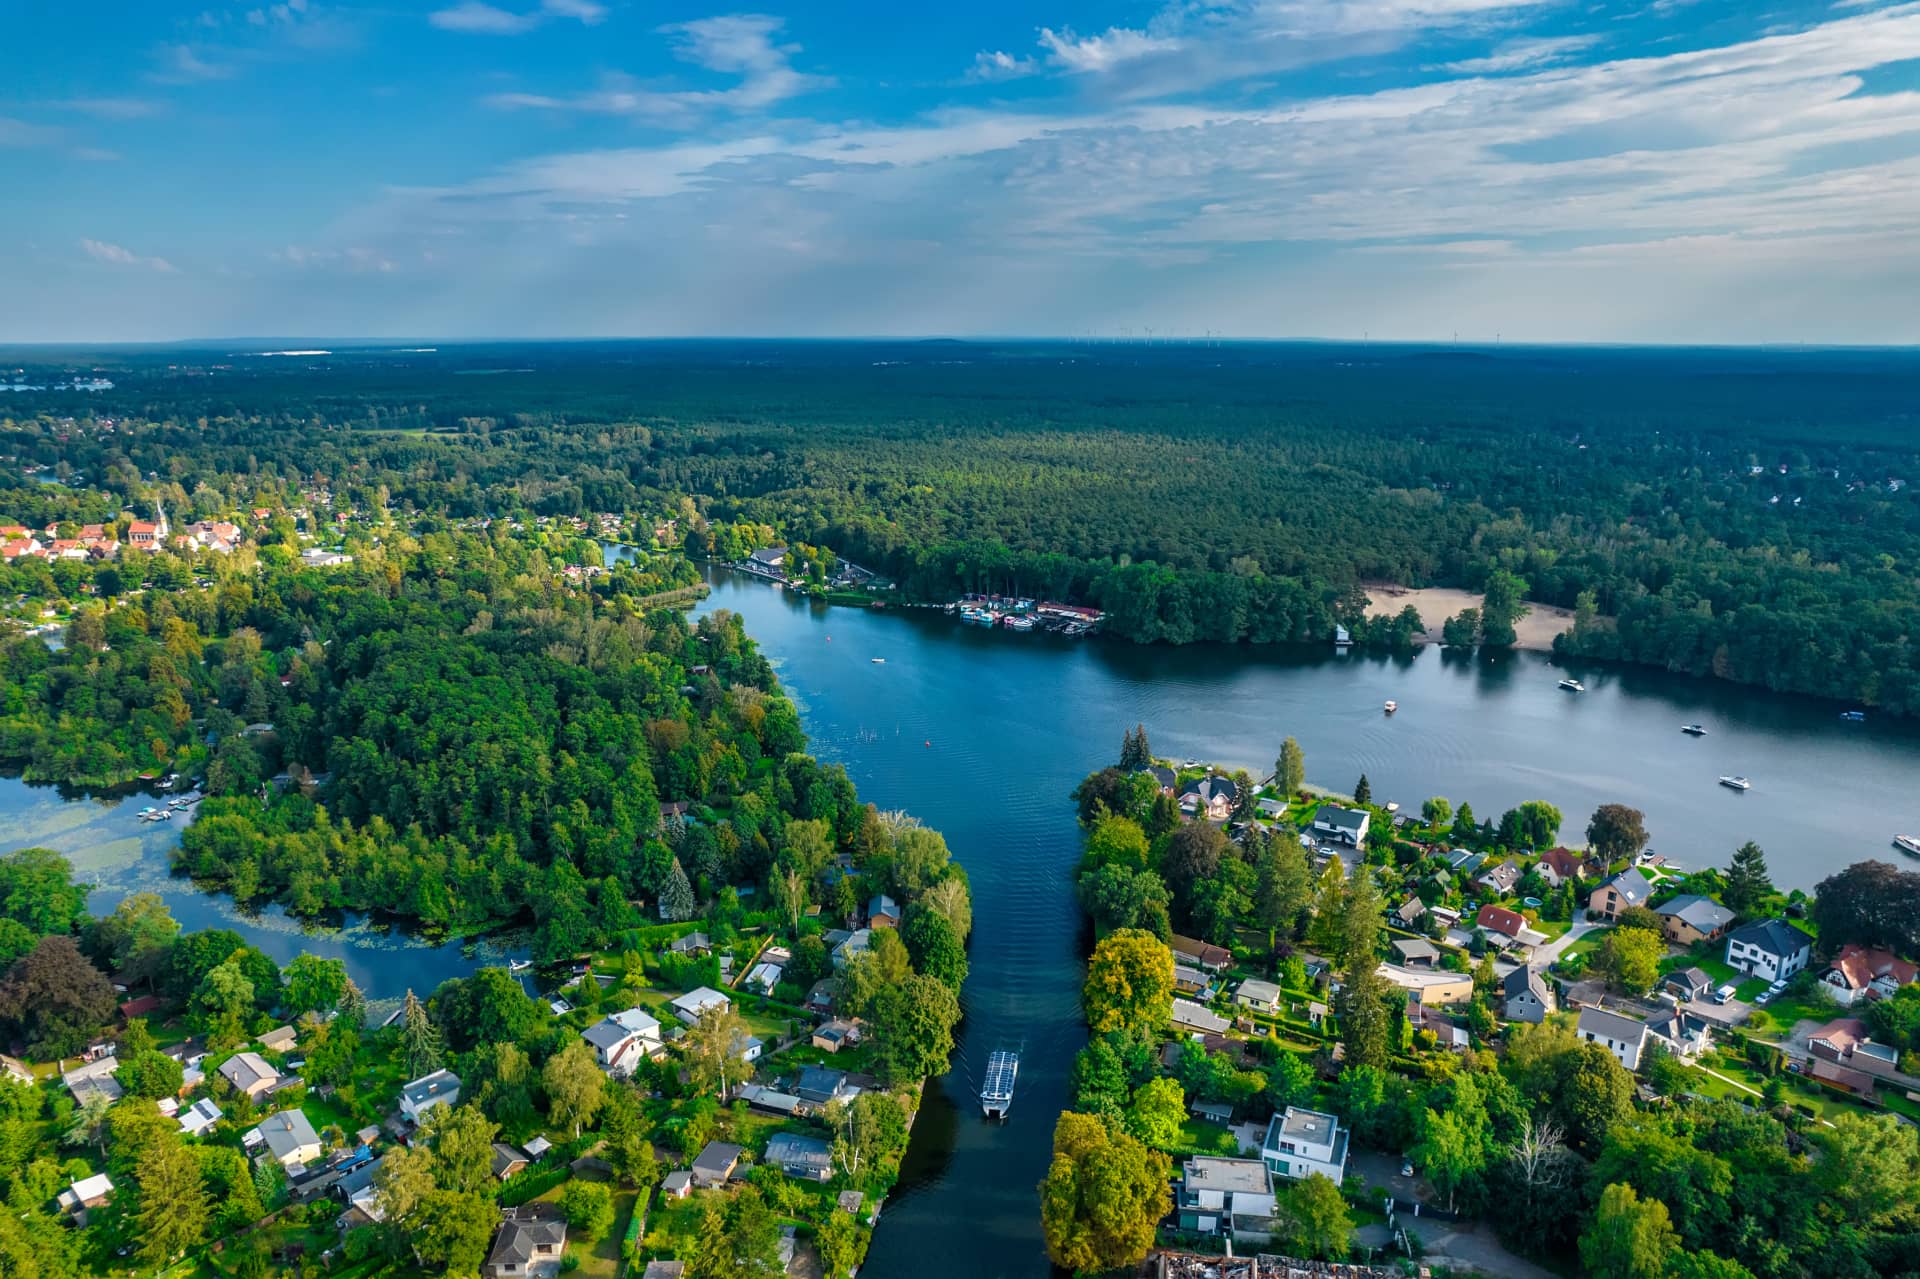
{"x": 1694, "y": 730}
{"x": 1736, "y": 782}
{"x": 1908, "y": 844}
{"x": 1854, "y": 717}
{"x": 1573, "y": 685}
{"x": 1391, "y": 706}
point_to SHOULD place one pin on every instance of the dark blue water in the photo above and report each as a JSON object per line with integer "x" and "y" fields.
{"x": 982, "y": 734}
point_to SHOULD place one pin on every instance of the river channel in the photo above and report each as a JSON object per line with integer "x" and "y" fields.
{"x": 982, "y": 734}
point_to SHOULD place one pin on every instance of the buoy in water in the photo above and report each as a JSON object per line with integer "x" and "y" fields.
{"x": 929, "y": 743}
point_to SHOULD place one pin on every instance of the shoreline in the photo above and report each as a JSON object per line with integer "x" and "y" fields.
{"x": 1536, "y": 631}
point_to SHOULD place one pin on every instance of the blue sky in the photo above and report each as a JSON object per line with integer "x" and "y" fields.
{"x": 1547, "y": 170}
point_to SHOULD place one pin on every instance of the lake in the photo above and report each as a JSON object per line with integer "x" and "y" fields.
{"x": 119, "y": 854}
{"x": 982, "y": 734}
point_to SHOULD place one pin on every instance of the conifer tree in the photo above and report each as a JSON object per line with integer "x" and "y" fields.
{"x": 419, "y": 1039}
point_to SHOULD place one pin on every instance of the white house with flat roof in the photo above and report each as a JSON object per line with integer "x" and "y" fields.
{"x": 1302, "y": 1142}
{"x": 1227, "y": 1197}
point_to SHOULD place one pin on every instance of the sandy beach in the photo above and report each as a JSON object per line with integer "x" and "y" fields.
{"x": 1437, "y": 603}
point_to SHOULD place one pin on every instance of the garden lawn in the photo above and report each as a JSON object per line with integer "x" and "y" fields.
{"x": 1198, "y": 1137}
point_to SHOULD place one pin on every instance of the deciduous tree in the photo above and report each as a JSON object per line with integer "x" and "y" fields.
{"x": 1104, "y": 1194}
{"x": 1129, "y": 983}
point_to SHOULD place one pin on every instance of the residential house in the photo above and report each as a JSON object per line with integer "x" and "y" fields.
{"x": 676, "y": 1184}
{"x": 763, "y": 976}
{"x": 251, "y": 1074}
{"x": 1301, "y": 1142}
{"x": 715, "y": 1164}
{"x": 1464, "y": 863}
{"x": 690, "y": 944}
{"x": 84, "y": 1194}
{"x": 621, "y": 1041}
{"x": 1859, "y": 973}
{"x": 1433, "y": 986}
{"x": 833, "y": 1035}
{"x": 770, "y": 1100}
{"x": 664, "y": 1270}
{"x": 531, "y": 1242}
{"x": 91, "y": 1078}
{"x": 1559, "y": 866}
{"x": 691, "y": 1006}
{"x": 748, "y": 1048}
{"x": 1343, "y": 825}
{"x": 507, "y": 1160}
{"x": 1190, "y": 1016}
{"x": 1501, "y": 880}
{"x": 1200, "y": 954}
{"x": 1770, "y": 948}
{"x": 1525, "y": 996}
{"x": 1261, "y": 996}
{"x": 883, "y": 912}
{"x": 1683, "y": 1034}
{"x": 1165, "y": 778}
{"x": 289, "y": 1137}
{"x": 280, "y": 1040}
{"x": 1628, "y": 888}
{"x": 197, "y": 1118}
{"x": 856, "y": 943}
{"x": 1689, "y": 983}
{"x": 1212, "y": 797}
{"x": 144, "y": 1006}
{"x": 1410, "y": 912}
{"x": 768, "y": 561}
{"x": 803, "y": 1158}
{"x": 1693, "y": 918}
{"x": 1232, "y": 1197}
{"x": 1843, "y": 1053}
{"x": 819, "y": 1085}
{"x": 1416, "y": 952}
{"x": 1624, "y": 1037}
{"x": 356, "y": 1190}
{"x": 1189, "y": 980}
{"x": 418, "y": 1096}
{"x": 1506, "y": 927}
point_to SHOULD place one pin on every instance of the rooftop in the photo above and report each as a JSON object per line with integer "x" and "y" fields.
{"x": 1209, "y": 1172}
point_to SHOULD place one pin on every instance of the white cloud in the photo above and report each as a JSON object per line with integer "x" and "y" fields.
{"x": 1102, "y": 52}
{"x": 478, "y": 18}
{"x": 100, "y": 251}
{"x": 998, "y": 64}
{"x": 1524, "y": 55}
{"x": 110, "y": 108}
{"x": 19, "y": 133}
{"x": 183, "y": 64}
{"x": 741, "y": 45}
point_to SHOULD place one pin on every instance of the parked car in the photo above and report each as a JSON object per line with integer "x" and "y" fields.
{"x": 1406, "y": 1167}
{"x": 1723, "y": 994}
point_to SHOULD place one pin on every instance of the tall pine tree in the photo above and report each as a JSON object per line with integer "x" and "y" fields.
{"x": 1290, "y": 770}
{"x": 1362, "y": 792}
{"x": 676, "y": 895}
{"x": 1747, "y": 882}
{"x": 419, "y": 1039}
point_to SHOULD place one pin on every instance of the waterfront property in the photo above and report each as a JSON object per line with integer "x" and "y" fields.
{"x": 1628, "y": 888}
{"x": 1860, "y": 972}
{"x": 1770, "y": 948}
{"x": 1347, "y": 826}
{"x": 1300, "y": 1143}
{"x": 1693, "y": 918}
{"x": 1231, "y": 1197}
{"x": 801, "y": 1157}
{"x": 1192, "y": 1017}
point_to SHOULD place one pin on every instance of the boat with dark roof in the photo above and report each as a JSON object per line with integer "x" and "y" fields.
{"x": 996, "y": 1093}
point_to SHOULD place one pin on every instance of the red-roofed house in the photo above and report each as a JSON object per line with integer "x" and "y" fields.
{"x": 1859, "y": 973}
{"x": 1498, "y": 922}
{"x": 145, "y": 535}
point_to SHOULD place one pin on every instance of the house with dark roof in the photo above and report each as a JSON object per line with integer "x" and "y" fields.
{"x": 1189, "y": 1016}
{"x": 530, "y": 1244}
{"x": 1212, "y": 797}
{"x": 1347, "y": 826}
{"x": 1693, "y": 918}
{"x": 507, "y": 1160}
{"x": 1628, "y": 888}
{"x": 289, "y": 1137}
{"x": 1165, "y": 778}
{"x": 715, "y": 1163}
{"x": 1770, "y": 948}
{"x": 250, "y": 1073}
{"x": 1416, "y": 952}
{"x": 1689, "y": 983}
{"x": 883, "y": 912}
{"x": 1525, "y": 996}
{"x": 819, "y": 1085}
{"x": 804, "y": 1158}
{"x": 1409, "y": 912}
{"x": 418, "y": 1096}
{"x": 1200, "y": 954}
{"x": 1624, "y": 1037}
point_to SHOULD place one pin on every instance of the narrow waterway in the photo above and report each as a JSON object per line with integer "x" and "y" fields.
{"x": 983, "y": 734}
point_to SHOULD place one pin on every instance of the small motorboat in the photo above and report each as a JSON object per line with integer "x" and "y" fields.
{"x": 1391, "y": 707}
{"x": 1736, "y": 782}
{"x": 879, "y": 661}
{"x": 1573, "y": 685}
{"x": 1694, "y": 730}
{"x": 1854, "y": 717}
{"x": 1908, "y": 844}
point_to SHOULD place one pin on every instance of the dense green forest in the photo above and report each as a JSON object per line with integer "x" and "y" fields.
{"x": 1737, "y": 514}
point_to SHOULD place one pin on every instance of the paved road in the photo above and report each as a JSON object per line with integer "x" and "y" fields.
{"x": 1547, "y": 954}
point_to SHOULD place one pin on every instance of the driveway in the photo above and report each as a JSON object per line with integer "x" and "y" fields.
{"x": 1551, "y": 952}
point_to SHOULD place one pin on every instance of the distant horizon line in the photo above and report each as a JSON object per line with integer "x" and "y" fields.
{"x": 309, "y": 346}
